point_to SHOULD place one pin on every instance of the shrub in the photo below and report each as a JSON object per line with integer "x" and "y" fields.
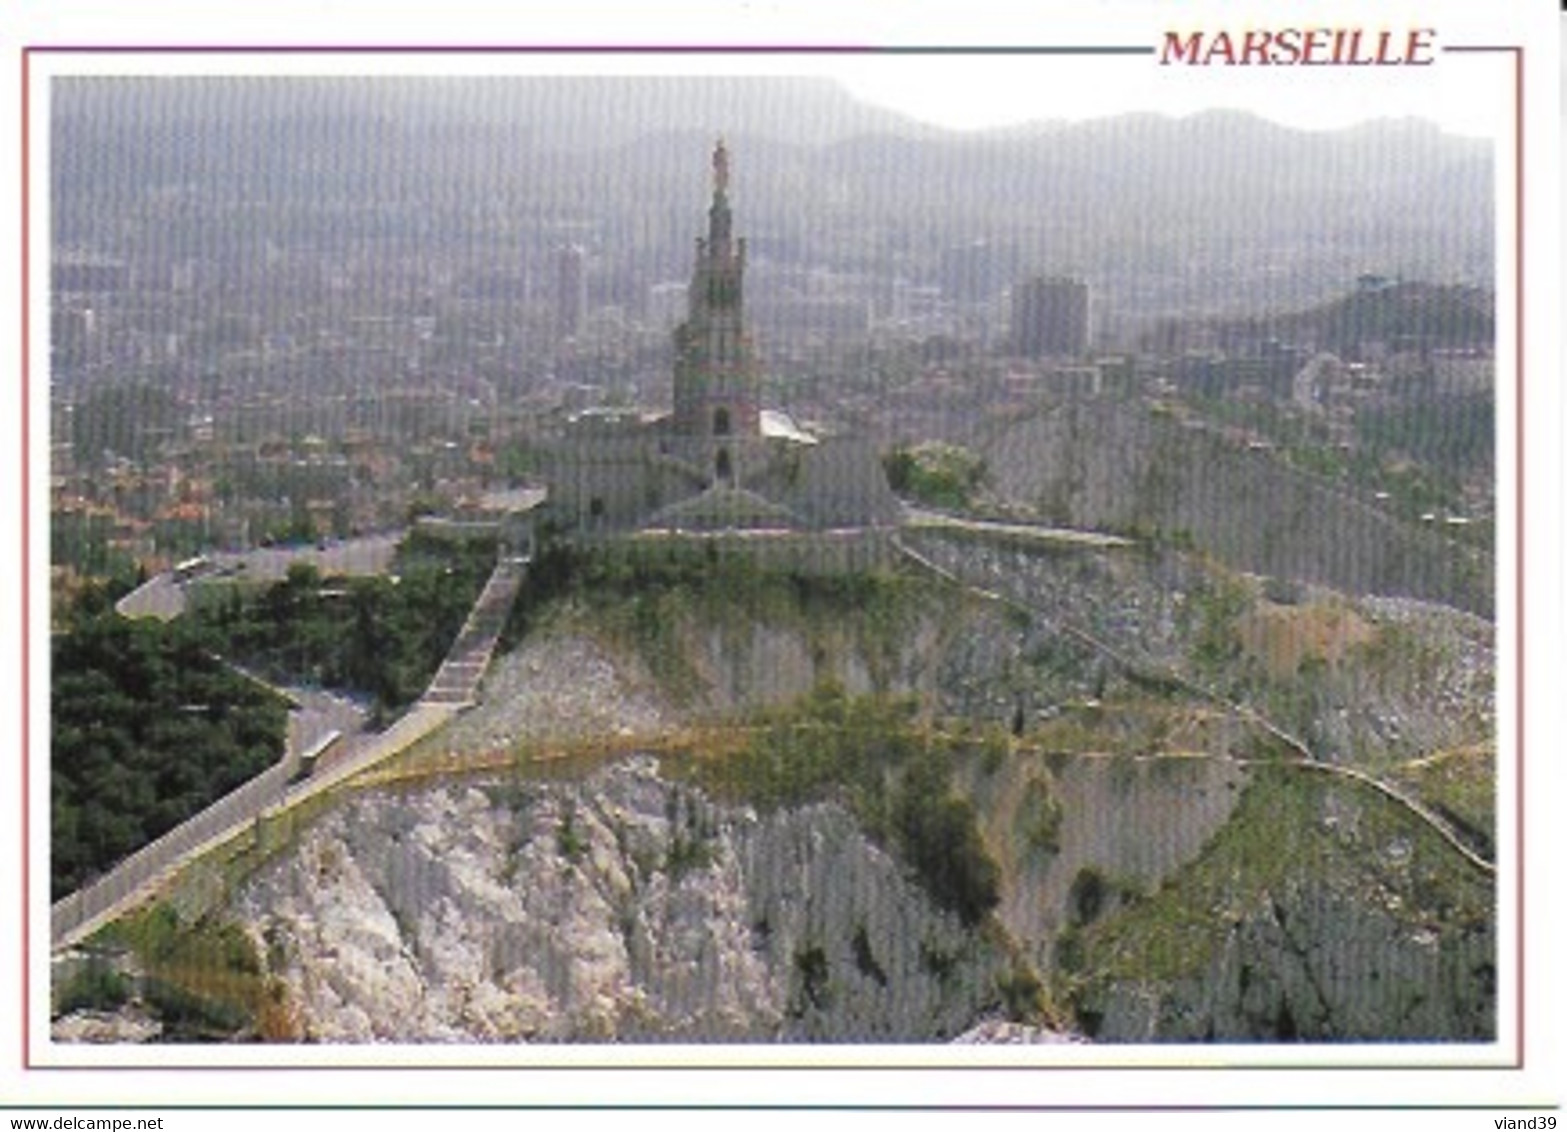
{"x": 940, "y": 838}
{"x": 810, "y": 967}
{"x": 568, "y": 839}
{"x": 688, "y": 854}
{"x": 940, "y": 474}
{"x": 192, "y": 1017}
{"x": 1022, "y": 995}
{"x": 96, "y": 986}
{"x": 865, "y": 958}
{"x": 1040, "y": 816}
{"x": 1088, "y": 895}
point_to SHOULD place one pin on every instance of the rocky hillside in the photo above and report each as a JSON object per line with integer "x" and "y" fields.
{"x": 1367, "y": 682}
{"x": 1104, "y": 465}
{"x": 1319, "y": 912}
{"x": 1150, "y": 863}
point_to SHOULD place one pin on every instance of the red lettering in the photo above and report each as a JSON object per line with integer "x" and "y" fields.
{"x": 1221, "y": 46}
{"x": 1254, "y": 47}
{"x": 1319, "y": 46}
{"x": 1421, "y": 40}
{"x": 1286, "y": 46}
{"x": 1181, "y": 51}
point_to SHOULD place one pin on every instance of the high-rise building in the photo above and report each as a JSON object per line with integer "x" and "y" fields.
{"x": 1050, "y": 317}
{"x": 571, "y": 295}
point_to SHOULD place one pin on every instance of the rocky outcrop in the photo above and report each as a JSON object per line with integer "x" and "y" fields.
{"x": 562, "y": 685}
{"x": 1361, "y": 680}
{"x": 1106, "y": 465}
{"x": 620, "y": 908}
{"x": 1051, "y": 822}
{"x": 100, "y": 1027}
{"x": 1314, "y": 964}
{"x": 1323, "y": 911}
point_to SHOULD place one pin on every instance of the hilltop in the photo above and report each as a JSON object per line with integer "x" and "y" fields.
{"x": 1080, "y": 758}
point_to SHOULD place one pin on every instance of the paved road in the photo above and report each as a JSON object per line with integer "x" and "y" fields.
{"x": 85, "y": 910}
{"x": 320, "y": 716}
{"x": 165, "y": 596}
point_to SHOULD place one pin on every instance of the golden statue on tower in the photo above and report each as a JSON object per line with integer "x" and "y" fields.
{"x": 720, "y": 167}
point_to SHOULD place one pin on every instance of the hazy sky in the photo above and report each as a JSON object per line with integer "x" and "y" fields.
{"x": 1461, "y": 95}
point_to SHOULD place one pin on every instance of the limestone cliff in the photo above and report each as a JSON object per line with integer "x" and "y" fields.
{"x": 623, "y": 907}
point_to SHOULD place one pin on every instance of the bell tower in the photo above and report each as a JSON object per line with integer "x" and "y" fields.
{"x": 715, "y": 369}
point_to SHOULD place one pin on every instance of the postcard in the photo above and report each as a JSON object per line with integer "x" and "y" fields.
{"x": 959, "y": 561}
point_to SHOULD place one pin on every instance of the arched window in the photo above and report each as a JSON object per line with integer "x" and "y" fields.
{"x": 720, "y": 422}
{"x": 722, "y": 469}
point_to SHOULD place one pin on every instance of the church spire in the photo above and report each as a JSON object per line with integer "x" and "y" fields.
{"x": 715, "y": 372}
{"x": 719, "y": 221}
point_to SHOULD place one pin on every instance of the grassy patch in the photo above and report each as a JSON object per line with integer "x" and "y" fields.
{"x": 1460, "y": 785}
{"x": 97, "y": 985}
{"x": 871, "y": 755}
{"x": 205, "y": 981}
{"x": 1400, "y": 658}
{"x": 1290, "y": 827}
{"x": 1216, "y": 609}
{"x": 652, "y": 607}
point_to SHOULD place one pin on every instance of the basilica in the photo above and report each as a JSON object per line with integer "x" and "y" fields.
{"x": 719, "y": 462}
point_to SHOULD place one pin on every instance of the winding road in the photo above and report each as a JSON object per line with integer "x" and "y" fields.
{"x": 315, "y": 726}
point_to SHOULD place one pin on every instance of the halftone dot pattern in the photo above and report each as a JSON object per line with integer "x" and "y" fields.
{"x": 1057, "y": 608}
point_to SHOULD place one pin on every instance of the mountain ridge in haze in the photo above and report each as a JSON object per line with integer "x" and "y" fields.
{"x": 1213, "y": 212}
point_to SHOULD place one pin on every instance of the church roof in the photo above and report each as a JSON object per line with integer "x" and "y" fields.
{"x": 778, "y": 425}
{"x": 723, "y": 508}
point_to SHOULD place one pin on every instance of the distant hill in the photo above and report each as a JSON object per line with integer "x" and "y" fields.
{"x": 1397, "y": 314}
{"x": 535, "y": 112}
{"x": 1404, "y": 312}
